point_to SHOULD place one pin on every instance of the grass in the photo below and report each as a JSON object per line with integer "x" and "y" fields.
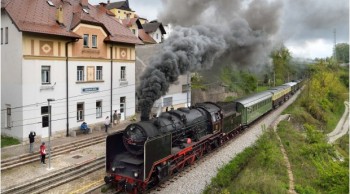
{"x": 258, "y": 169}
{"x": 8, "y": 141}
{"x": 342, "y": 145}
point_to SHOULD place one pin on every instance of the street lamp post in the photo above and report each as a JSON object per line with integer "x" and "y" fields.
{"x": 48, "y": 104}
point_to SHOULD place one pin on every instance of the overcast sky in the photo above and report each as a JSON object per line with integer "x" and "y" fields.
{"x": 306, "y": 26}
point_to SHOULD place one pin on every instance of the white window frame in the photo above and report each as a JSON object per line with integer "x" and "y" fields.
{"x": 86, "y": 40}
{"x": 45, "y": 115}
{"x": 8, "y": 117}
{"x": 6, "y": 35}
{"x": 123, "y": 73}
{"x": 94, "y": 41}
{"x": 80, "y": 73}
{"x": 99, "y": 73}
{"x": 122, "y": 104}
{"x": 99, "y": 109}
{"x": 2, "y": 35}
{"x": 45, "y": 75}
{"x": 80, "y": 111}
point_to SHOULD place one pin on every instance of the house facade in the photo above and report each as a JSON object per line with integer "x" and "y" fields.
{"x": 69, "y": 51}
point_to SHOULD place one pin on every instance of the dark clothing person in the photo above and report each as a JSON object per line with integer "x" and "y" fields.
{"x": 107, "y": 122}
{"x": 43, "y": 152}
{"x": 115, "y": 118}
{"x": 31, "y": 137}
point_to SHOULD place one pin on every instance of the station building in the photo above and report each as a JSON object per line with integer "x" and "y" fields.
{"x": 70, "y": 51}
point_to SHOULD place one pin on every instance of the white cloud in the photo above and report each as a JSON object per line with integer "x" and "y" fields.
{"x": 318, "y": 48}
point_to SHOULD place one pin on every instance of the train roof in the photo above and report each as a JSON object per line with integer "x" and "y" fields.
{"x": 254, "y": 99}
{"x": 290, "y": 84}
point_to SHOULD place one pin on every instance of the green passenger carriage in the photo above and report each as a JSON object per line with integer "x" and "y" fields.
{"x": 253, "y": 106}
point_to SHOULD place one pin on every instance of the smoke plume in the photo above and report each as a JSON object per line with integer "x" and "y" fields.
{"x": 209, "y": 34}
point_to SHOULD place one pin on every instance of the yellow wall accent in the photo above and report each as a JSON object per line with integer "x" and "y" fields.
{"x": 29, "y": 39}
{"x": 122, "y": 14}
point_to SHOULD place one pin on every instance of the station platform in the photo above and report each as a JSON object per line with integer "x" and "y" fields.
{"x": 36, "y": 170}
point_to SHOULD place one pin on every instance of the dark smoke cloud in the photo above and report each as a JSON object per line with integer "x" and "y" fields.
{"x": 237, "y": 35}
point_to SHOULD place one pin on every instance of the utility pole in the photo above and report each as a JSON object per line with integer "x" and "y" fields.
{"x": 50, "y": 115}
{"x": 274, "y": 79}
{"x": 188, "y": 88}
{"x": 335, "y": 45}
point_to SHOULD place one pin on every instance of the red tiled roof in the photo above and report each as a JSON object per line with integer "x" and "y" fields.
{"x": 39, "y": 17}
{"x": 146, "y": 38}
{"x": 129, "y": 22}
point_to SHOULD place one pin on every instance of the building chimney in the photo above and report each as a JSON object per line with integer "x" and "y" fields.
{"x": 59, "y": 15}
{"x": 127, "y": 3}
{"x": 108, "y": 2}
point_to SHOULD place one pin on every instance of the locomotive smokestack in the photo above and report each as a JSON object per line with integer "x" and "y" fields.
{"x": 238, "y": 39}
{"x": 144, "y": 118}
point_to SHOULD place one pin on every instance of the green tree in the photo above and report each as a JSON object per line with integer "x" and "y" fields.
{"x": 281, "y": 58}
{"x": 342, "y": 50}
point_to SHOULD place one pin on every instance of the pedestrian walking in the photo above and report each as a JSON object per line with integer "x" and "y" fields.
{"x": 31, "y": 137}
{"x": 107, "y": 122}
{"x": 115, "y": 117}
{"x": 43, "y": 152}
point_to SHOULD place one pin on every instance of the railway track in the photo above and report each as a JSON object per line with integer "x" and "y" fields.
{"x": 55, "y": 151}
{"x": 52, "y": 180}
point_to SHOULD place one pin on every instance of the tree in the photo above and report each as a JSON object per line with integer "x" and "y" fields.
{"x": 281, "y": 58}
{"x": 342, "y": 50}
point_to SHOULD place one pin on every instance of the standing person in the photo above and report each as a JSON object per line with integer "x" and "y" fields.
{"x": 31, "y": 136}
{"x": 115, "y": 117}
{"x": 43, "y": 152}
{"x": 118, "y": 118}
{"x": 107, "y": 122}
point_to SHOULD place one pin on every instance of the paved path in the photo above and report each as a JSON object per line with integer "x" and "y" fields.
{"x": 342, "y": 127}
{"x": 284, "y": 153}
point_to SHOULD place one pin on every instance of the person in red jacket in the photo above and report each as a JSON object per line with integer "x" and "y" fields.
{"x": 43, "y": 152}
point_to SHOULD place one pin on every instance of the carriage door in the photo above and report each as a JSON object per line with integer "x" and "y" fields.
{"x": 216, "y": 122}
{"x": 122, "y": 108}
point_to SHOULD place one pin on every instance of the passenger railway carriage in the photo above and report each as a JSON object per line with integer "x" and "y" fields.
{"x": 149, "y": 152}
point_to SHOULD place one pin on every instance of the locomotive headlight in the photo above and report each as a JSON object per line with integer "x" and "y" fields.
{"x": 136, "y": 174}
{"x": 113, "y": 169}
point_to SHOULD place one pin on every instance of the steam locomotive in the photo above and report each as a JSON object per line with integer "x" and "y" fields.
{"x": 149, "y": 152}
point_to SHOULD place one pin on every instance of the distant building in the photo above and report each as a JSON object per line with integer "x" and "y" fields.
{"x": 121, "y": 9}
{"x": 155, "y": 29}
{"x": 68, "y": 50}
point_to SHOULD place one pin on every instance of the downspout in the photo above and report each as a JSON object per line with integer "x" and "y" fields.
{"x": 67, "y": 83}
{"x": 111, "y": 81}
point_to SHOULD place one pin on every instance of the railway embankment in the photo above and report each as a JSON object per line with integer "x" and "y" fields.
{"x": 315, "y": 164}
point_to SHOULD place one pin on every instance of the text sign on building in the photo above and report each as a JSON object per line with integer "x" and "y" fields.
{"x": 93, "y": 89}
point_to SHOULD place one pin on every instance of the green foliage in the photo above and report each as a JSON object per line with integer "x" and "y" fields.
{"x": 229, "y": 99}
{"x": 304, "y": 190}
{"x": 342, "y": 50}
{"x": 342, "y": 145}
{"x": 280, "y": 59}
{"x": 334, "y": 175}
{"x": 8, "y": 141}
{"x": 241, "y": 82}
{"x": 197, "y": 82}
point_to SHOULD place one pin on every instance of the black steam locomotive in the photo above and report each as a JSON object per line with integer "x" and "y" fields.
{"x": 149, "y": 152}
